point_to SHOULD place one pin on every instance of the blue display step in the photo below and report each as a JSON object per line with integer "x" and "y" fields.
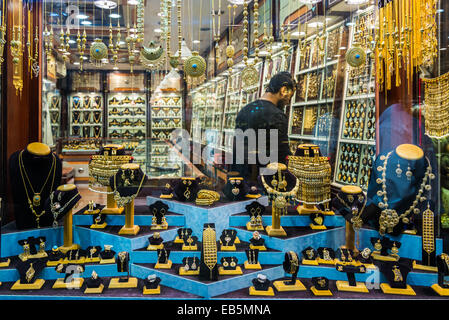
{"x": 197, "y": 216}
{"x": 207, "y": 289}
{"x": 288, "y": 221}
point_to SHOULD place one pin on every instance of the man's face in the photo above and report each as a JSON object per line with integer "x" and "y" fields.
{"x": 285, "y": 96}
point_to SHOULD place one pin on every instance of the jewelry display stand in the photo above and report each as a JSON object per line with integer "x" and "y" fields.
{"x": 4, "y": 262}
{"x": 123, "y": 282}
{"x": 279, "y": 199}
{"x": 68, "y": 224}
{"x": 129, "y": 227}
{"x": 351, "y": 285}
{"x": 111, "y": 205}
{"x": 291, "y": 266}
{"x": 442, "y": 288}
{"x": 101, "y": 174}
{"x": 74, "y": 283}
{"x": 314, "y": 174}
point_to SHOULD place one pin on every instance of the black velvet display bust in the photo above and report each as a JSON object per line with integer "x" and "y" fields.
{"x": 182, "y": 232}
{"x": 229, "y": 263}
{"x": 126, "y": 182}
{"x": 55, "y": 254}
{"x": 37, "y": 168}
{"x": 255, "y": 209}
{"x": 364, "y": 256}
{"x": 152, "y": 282}
{"x": 122, "y": 261}
{"x": 443, "y": 269}
{"x": 228, "y": 237}
{"x": 61, "y": 202}
{"x": 320, "y": 283}
{"x": 158, "y": 210}
{"x": 29, "y": 270}
{"x": 94, "y": 281}
{"x": 356, "y": 204}
{"x": 257, "y": 240}
{"x": 93, "y": 252}
{"x": 190, "y": 240}
{"x": 252, "y": 255}
{"x": 163, "y": 256}
{"x": 396, "y": 272}
{"x": 186, "y": 189}
{"x": 155, "y": 239}
{"x": 107, "y": 253}
{"x": 261, "y": 283}
{"x": 309, "y": 253}
{"x": 326, "y": 253}
{"x": 236, "y": 189}
{"x": 69, "y": 270}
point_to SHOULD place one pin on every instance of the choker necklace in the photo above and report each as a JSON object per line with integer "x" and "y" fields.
{"x": 389, "y": 218}
{"x": 56, "y": 208}
{"x": 36, "y": 196}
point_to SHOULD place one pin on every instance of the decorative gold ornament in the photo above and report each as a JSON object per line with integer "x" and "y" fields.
{"x": 98, "y": 52}
{"x": 195, "y": 65}
{"x": 436, "y": 101}
{"x": 356, "y": 56}
{"x": 250, "y": 76}
{"x": 152, "y": 52}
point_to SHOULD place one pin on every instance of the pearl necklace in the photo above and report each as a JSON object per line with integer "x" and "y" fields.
{"x": 389, "y": 218}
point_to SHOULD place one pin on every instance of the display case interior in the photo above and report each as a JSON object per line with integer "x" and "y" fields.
{"x": 357, "y": 138}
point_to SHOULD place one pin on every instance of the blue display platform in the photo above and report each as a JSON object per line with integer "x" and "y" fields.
{"x": 227, "y": 215}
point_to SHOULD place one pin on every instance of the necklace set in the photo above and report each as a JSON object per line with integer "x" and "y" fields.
{"x": 389, "y": 218}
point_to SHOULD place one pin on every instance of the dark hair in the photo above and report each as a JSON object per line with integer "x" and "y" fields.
{"x": 280, "y": 80}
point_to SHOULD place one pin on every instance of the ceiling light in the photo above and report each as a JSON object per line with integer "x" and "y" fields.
{"x": 76, "y": 63}
{"x": 158, "y": 30}
{"x": 196, "y": 41}
{"x": 86, "y": 22}
{"x": 238, "y": 2}
{"x": 115, "y": 68}
{"x": 133, "y": 2}
{"x": 66, "y": 53}
{"x": 82, "y": 16}
{"x": 310, "y": 1}
{"x": 71, "y": 41}
{"x": 132, "y": 30}
{"x": 114, "y": 16}
{"x": 105, "y": 4}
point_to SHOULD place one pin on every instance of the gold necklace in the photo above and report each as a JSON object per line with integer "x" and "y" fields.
{"x": 122, "y": 201}
{"x": 36, "y": 197}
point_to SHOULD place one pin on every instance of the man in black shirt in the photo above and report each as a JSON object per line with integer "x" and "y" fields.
{"x": 263, "y": 114}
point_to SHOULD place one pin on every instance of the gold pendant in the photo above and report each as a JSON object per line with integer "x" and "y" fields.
{"x": 36, "y": 199}
{"x": 187, "y": 194}
{"x": 30, "y": 273}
